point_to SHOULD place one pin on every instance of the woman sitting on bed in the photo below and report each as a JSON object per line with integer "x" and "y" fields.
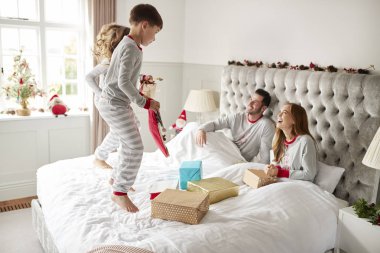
{"x": 293, "y": 146}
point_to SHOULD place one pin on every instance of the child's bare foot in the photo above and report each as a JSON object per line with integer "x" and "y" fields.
{"x": 102, "y": 164}
{"x": 125, "y": 203}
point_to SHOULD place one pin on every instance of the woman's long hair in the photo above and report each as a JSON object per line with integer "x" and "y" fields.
{"x": 107, "y": 40}
{"x": 300, "y": 127}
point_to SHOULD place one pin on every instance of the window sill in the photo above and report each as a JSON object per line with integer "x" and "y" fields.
{"x": 39, "y": 115}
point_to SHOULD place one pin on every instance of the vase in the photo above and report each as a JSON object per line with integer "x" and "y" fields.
{"x": 24, "y": 111}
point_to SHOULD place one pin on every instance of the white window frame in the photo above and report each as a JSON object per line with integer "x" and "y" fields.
{"x": 42, "y": 26}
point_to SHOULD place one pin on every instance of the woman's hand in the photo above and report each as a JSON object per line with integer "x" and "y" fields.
{"x": 271, "y": 170}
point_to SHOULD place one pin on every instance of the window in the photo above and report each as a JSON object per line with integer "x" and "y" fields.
{"x": 51, "y": 34}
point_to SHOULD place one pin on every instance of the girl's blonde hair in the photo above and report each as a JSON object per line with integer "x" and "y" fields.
{"x": 300, "y": 127}
{"x": 107, "y": 39}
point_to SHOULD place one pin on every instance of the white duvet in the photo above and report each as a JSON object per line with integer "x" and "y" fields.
{"x": 290, "y": 216}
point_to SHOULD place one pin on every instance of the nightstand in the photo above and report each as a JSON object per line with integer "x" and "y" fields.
{"x": 356, "y": 235}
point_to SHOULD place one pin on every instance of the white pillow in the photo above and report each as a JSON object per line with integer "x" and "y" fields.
{"x": 328, "y": 176}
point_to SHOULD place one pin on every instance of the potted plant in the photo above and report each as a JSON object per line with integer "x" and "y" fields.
{"x": 371, "y": 212}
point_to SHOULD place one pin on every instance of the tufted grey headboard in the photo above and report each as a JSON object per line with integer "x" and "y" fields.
{"x": 343, "y": 111}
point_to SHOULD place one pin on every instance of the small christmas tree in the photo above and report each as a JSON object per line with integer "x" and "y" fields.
{"x": 21, "y": 83}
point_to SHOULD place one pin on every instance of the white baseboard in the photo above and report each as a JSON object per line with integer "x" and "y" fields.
{"x": 19, "y": 189}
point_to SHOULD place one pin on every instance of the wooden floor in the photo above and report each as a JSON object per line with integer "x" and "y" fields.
{"x": 14, "y": 204}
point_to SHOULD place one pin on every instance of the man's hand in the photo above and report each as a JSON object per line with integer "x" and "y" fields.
{"x": 154, "y": 105}
{"x": 201, "y": 138}
{"x": 271, "y": 170}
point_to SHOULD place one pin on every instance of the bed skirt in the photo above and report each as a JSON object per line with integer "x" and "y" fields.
{"x": 39, "y": 226}
{"x": 44, "y": 235}
{"x": 47, "y": 241}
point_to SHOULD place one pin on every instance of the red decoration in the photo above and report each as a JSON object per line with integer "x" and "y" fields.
{"x": 180, "y": 122}
{"x": 57, "y": 106}
{"x": 156, "y": 129}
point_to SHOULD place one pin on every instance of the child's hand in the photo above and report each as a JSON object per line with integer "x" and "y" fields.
{"x": 154, "y": 105}
{"x": 145, "y": 96}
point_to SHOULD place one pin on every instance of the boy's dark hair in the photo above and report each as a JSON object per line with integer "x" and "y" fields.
{"x": 145, "y": 12}
{"x": 265, "y": 95}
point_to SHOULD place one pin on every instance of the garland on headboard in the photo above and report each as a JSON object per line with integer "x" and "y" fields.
{"x": 312, "y": 66}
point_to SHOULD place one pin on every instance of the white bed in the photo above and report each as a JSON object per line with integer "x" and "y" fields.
{"x": 291, "y": 216}
{"x": 75, "y": 214}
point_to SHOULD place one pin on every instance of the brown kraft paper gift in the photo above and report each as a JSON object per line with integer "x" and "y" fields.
{"x": 257, "y": 178}
{"x": 183, "y": 206}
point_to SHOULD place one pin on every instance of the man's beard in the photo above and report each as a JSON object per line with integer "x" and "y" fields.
{"x": 254, "y": 112}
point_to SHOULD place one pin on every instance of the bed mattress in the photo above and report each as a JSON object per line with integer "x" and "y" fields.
{"x": 290, "y": 216}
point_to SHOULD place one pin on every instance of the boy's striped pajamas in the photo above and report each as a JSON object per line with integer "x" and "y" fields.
{"x": 114, "y": 107}
{"x": 123, "y": 131}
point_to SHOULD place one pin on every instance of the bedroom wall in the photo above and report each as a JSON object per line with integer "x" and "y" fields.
{"x": 163, "y": 58}
{"x": 339, "y": 32}
{"x": 343, "y": 33}
{"x": 200, "y": 36}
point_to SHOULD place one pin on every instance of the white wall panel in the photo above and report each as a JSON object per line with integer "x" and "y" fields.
{"x": 26, "y": 143}
{"x": 67, "y": 143}
{"x": 18, "y": 150}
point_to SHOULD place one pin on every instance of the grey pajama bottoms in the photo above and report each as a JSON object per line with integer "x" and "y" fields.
{"x": 124, "y": 132}
{"x": 111, "y": 142}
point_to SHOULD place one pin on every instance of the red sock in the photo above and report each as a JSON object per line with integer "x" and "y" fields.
{"x": 119, "y": 193}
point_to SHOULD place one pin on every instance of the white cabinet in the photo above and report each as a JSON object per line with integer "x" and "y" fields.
{"x": 356, "y": 235}
{"x": 27, "y": 143}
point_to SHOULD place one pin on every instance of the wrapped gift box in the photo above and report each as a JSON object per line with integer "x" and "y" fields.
{"x": 149, "y": 89}
{"x": 189, "y": 171}
{"x": 157, "y": 187}
{"x": 217, "y": 188}
{"x": 257, "y": 178}
{"x": 184, "y": 206}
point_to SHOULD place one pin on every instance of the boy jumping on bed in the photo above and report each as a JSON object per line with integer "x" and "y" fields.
{"x": 118, "y": 93}
{"x": 252, "y": 133}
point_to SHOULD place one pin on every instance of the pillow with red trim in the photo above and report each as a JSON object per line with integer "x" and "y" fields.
{"x": 156, "y": 128}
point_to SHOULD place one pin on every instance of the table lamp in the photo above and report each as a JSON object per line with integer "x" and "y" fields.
{"x": 372, "y": 159}
{"x": 200, "y": 101}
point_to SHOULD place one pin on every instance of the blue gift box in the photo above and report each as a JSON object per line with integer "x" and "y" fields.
{"x": 189, "y": 171}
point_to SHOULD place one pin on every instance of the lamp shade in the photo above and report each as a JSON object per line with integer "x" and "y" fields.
{"x": 372, "y": 156}
{"x": 200, "y": 101}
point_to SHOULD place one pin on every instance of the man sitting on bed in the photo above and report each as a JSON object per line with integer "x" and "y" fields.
{"x": 251, "y": 132}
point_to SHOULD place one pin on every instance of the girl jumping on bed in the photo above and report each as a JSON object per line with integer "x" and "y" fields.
{"x": 107, "y": 39}
{"x": 293, "y": 146}
{"x": 120, "y": 91}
